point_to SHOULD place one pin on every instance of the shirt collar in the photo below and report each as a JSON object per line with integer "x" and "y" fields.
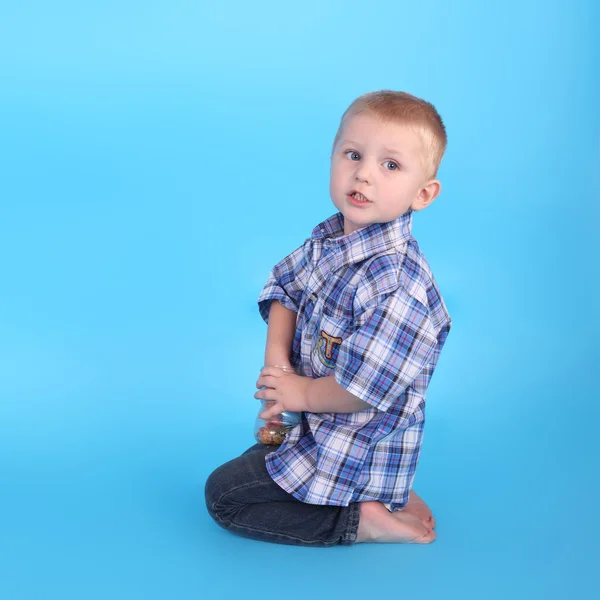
{"x": 364, "y": 242}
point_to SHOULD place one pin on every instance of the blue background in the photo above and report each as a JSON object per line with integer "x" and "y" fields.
{"x": 158, "y": 158}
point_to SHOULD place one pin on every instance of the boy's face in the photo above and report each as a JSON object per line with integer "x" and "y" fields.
{"x": 386, "y": 163}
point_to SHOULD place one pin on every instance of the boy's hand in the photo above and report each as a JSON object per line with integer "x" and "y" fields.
{"x": 287, "y": 390}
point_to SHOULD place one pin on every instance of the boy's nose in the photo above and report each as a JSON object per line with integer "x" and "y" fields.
{"x": 363, "y": 173}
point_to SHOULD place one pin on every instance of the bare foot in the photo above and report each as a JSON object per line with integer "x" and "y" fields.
{"x": 416, "y": 506}
{"x": 378, "y": 524}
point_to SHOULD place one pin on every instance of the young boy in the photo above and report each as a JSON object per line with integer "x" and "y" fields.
{"x": 357, "y": 312}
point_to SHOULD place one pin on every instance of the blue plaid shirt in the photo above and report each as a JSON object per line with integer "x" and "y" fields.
{"x": 369, "y": 312}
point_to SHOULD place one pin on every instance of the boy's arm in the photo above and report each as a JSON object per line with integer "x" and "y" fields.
{"x": 286, "y": 282}
{"x": 323, "y": 394}
{"x": 396, "y": 342}
{"x": 280, "y": 334}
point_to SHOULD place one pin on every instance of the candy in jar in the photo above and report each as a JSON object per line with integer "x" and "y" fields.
{"x": 273, "y": 431}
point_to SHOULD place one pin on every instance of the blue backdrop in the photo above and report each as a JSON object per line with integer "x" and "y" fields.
{"x": 158, "y": 158}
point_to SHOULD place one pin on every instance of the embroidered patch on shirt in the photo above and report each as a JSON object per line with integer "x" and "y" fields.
{"x": 324, "y": 348}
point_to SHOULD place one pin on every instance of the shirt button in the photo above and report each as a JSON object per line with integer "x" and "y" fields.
{"x": 313, "y": 297}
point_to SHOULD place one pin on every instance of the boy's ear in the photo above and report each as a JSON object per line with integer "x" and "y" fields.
{"x": 429, "y": 192}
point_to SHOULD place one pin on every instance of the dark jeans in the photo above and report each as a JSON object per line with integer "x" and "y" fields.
{"x": 242, "y": 498}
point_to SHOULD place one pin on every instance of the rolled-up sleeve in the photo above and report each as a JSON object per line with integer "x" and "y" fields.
{"x": 380, "y": 359}
{"x": 286, "y": 281}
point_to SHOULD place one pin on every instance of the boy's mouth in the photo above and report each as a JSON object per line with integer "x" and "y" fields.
{"x": 358, "y": 196}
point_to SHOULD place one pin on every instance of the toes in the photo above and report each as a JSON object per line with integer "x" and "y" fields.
{"x": 427, "y": 538}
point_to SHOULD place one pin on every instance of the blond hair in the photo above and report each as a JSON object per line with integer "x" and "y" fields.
{"x": 403, "y": 108}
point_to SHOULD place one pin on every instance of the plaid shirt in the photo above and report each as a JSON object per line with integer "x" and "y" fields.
{"x": 369, "y": 312}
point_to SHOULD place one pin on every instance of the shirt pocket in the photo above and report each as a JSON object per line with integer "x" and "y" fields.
{"x": 330, "y": 334}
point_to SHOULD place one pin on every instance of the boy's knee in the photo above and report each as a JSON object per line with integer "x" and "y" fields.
{"x": 223, "y": 485}
{"x": 219, "y": 488}
{"x": 215, "y": 488}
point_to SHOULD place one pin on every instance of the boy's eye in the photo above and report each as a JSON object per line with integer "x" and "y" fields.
{"x": 353, "y": 153}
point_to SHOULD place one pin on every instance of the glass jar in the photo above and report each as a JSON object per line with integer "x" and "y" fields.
{"x": 272, "y": 432}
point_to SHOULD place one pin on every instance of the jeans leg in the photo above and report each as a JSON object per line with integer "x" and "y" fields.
{"x": 257, "y": 447}
{"x": 242, "y": 498}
